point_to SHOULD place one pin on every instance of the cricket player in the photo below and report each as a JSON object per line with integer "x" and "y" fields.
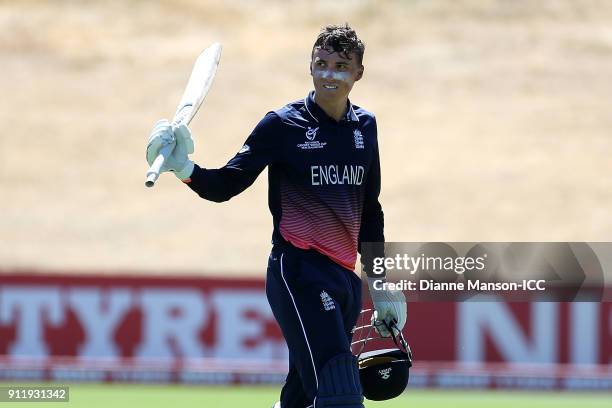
{"x": 324, "y": 181}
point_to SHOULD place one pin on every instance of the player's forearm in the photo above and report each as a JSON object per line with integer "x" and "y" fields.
{"x": 219, "y": 185}
{"x": 372, "y": 225}
{"x": 372, "y": 238}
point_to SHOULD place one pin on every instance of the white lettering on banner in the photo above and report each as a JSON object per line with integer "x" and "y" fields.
{"x": 584, "y": 333}
{"x": 166, "y": 322}
{"x": 232, "y": 306}
{"x": 32, "y": 307}
{"x": 476, "y": 320}
{"x": 172, "y": 314}
{"x": 99, "y": 317}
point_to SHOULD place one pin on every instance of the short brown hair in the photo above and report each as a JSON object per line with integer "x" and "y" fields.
{"x": 341, "y": 39}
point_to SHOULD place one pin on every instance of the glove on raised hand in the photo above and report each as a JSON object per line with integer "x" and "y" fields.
{"x": 389, "y": 307}
{"x": 182, "y": 142}
{"x": 184, "y": 147}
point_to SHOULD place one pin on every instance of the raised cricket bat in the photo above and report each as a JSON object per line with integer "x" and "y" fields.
{"x": 198, "y": 86}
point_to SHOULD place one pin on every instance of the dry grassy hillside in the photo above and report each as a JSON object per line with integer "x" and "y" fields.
{"x": 494, "y": 121}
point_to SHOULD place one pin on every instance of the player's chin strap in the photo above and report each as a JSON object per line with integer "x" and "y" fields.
{"x": 398, "y": 338}
{"x": 396, "y": 334}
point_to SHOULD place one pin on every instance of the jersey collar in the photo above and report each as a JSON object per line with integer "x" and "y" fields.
{"x": 319, "y": 114}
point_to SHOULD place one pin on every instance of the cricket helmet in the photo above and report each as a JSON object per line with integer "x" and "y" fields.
{"x": 384, "y": 373}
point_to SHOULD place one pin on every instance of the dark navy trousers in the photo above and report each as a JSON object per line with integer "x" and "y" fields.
{"x": 316, "y": 303}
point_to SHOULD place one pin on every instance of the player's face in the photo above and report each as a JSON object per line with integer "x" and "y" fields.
{"x": 333, "y": 75}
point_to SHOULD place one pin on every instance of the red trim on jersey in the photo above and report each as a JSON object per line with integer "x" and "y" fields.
{"x": 298, "y": 243}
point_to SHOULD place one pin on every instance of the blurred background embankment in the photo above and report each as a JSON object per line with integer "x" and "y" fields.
{"x": 494, "y": 123}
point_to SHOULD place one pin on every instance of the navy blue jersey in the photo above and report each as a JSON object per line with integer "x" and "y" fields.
{"x": 323, "y": 175}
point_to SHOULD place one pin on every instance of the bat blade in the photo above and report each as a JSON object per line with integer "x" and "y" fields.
{"x": 199, "y": 84}
{"x": 200, "y": 81}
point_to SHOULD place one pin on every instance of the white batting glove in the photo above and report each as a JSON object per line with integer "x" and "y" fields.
{"x": 389, "y": 307}
{"x": 184, "y": 147}
{"x": 180, "y": 138}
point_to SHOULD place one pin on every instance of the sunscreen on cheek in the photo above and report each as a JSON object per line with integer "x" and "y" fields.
{"x": 337, "y": 76}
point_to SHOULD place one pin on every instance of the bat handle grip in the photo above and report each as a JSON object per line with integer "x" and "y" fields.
{"x": 153, "y": 172}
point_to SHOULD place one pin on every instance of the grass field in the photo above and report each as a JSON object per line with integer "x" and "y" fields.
{"x": 133, "y": 396}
